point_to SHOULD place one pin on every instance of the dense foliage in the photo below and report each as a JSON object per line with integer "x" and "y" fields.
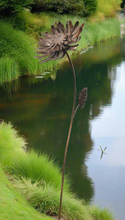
{"x": 90, "y": 6}
{"x": 123, "y": 4}
{"x": 79, "y": 7}
{"x": 60, "y": 6}
{"x": 107, "y": 8}
{"x": 14, "y": 5}
{"x": 75, "y": 7}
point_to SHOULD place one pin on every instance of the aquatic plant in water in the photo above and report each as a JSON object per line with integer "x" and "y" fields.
{"x": 54, "y": 45}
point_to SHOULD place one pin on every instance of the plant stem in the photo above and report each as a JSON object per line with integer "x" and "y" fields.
{"x": 69, "y": 133}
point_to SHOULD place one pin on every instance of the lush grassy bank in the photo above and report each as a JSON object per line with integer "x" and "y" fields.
{"x": 19, "y": 36}
{"x": 13, "y": 206}
{"x": 38, "y": 180}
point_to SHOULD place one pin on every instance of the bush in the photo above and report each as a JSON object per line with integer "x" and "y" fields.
{"x": 14, "y": 5}
{"x": 64, "y": 6}
{"x": 26, "y": 21}
{"x": 90, "y": 6}
{"x": 108, "y": 8}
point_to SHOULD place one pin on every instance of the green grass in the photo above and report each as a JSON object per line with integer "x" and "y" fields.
{"x": 17, "y": 45}
{"x": 101, "y": 31}
{"x": 21, "y": 46}
{"x": 38, "y": 180}
{"x": 11, "y": 145}
{"x": 9, "y": 69}
{"x": 29, "y": 165}
{"x": 13, "y": 206}
{"x": 45, "y": 198}
{"x": 97, "y": 213}
{"x": 37, "y": 167}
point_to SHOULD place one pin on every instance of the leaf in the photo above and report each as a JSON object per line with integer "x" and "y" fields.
{"x": 82, "y": 98}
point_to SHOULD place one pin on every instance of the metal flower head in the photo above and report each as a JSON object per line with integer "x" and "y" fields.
{"x": 54, "y": 45}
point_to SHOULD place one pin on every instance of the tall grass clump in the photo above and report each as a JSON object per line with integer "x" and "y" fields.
{"x": 45, "y": 199}
{"x": 9, "y": 69}
{"x": 20, "y": 47}
{"x": 37, "y": 167}
{"x": 95, "y": 32}
{"x": 11, "y": 145}
{"x": 98, "y": 213}
{"x": 28, "y": 165}
{"x": 13, "y": 205}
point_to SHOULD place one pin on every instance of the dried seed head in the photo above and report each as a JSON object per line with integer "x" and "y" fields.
{"x": 82, "y": 98}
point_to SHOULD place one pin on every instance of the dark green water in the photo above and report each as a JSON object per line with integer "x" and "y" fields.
{"x": 40, "y": 109}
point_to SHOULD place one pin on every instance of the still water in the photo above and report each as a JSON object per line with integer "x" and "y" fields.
{"x": 40, "y": 109}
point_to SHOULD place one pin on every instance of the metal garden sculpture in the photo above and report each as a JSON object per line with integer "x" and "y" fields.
{"x": 54, "y": 45}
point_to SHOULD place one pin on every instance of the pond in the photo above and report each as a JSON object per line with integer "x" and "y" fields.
{"x": 40, "y": 109}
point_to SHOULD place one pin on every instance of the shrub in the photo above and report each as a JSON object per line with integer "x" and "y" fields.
{"x": 122, "y": 3}
{"x": 14, "y": 5}
{"x": 64, "y": 6}
{"x": 90, "y": 6}
{"x": 108, "y": 8}
{"x": 28, "y": 22}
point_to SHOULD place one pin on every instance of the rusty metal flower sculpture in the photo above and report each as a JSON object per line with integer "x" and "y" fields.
{"x": 54, "y": 45}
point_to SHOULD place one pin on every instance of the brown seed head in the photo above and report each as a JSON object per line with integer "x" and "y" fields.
{"x": 82, "y": 98}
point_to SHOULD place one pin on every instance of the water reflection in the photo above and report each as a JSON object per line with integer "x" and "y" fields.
{"x": 108, "y": 129}
{"x": 41, "y": 111}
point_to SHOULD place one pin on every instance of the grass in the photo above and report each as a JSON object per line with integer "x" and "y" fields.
{"x": 13, "y": 206}
{"x": 18, "y": 46}
{"x": 30, "y": 168}
{"x": 11, "y": 145}
{"x": 46, "y": 199}
{"x": 97, "y": 213}
{"x": 9, "y": 69}
{"x": 21, "y": 46}
{"x": 37, "y": 179}
{"x": 23, "y": 164}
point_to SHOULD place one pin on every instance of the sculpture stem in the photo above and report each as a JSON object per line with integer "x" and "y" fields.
{"x": 69, "y": 133}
